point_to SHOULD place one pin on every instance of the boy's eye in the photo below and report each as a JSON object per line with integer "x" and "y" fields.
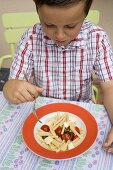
{"x": 49, "y": 26}
{"x": 70, "y": 26}
{"x": 67, "y": 26}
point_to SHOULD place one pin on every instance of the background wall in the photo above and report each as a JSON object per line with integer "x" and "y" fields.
{"x": 104, "y": 6}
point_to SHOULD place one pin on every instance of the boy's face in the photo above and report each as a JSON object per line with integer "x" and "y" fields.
{"x": 62, "y": 24}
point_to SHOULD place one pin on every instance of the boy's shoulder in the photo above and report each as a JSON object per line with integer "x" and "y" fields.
{"x": 89, "y": 33}
{"x": 91, "y": 28}
{"x": 33, "y": 32}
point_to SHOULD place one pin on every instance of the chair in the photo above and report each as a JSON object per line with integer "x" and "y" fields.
{"x": 15, "y": 24}
{"x": 94, "y": 16}
{"x": 95, "y": 93}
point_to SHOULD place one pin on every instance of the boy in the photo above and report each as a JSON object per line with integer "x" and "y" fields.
{"x": 60, "y": 54}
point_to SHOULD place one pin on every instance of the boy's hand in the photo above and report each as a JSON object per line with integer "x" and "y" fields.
{"x": 19, "y": 91}
{"x": 109, "y": 141}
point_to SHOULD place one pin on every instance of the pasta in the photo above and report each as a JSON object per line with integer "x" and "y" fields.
{"x": 60, "y": 133}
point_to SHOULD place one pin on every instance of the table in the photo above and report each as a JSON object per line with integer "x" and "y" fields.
{"x": 14, "y": 155}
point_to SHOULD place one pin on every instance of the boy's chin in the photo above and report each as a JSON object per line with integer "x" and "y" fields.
{"x": 61, "y": 43}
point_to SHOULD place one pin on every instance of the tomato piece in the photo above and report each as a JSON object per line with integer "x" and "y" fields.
{"x": 77, "y": 129}
{"x": 58, "y": 131}
{"x": 74, "y": 137}
{"x": 66, "y": 137}
{"x": 45, "y": 128}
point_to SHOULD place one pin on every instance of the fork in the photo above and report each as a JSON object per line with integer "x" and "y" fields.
{"x": 34, "y": 110}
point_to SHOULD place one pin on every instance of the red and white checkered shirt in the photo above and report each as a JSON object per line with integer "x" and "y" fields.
{"x": 64, "y": 72}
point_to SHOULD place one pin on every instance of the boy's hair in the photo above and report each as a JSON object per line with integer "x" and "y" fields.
{"x": 62, "y": 3}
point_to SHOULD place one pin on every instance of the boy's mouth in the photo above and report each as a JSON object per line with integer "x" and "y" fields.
{"x": 61, "y": 42}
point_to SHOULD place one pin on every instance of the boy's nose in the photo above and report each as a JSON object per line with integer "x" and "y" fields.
{"x": 60, "y": 35}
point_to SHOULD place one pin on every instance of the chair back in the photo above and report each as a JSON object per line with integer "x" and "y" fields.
{"x": 16, "y": 24}
{"x": 94, "y": 16}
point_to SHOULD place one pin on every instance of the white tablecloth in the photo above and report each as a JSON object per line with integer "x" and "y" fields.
{"x": 14, "y": 155}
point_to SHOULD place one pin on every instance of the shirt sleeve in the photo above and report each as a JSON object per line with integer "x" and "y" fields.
{"x": 104, "y": 60}
{"x": 23, "y": 58}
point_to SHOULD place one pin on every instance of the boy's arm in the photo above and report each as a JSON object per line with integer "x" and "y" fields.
{"x": 19, "y": 91}
{"x": 107, "y": 89}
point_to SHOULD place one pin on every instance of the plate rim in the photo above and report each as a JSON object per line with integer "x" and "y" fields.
{"x": 32, "y": 118}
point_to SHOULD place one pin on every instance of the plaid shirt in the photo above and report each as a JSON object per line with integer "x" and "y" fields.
{"x": 64, "y": 72}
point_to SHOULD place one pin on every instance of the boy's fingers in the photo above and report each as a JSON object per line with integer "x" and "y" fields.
{"x": 110, "y": 150}
{"x": 109, "y": 141}
{"x": 40, "y": 90}
{"x": 33, "y": 90}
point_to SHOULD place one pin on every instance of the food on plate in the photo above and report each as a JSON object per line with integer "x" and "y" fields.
{"x": 60, "y": 133}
